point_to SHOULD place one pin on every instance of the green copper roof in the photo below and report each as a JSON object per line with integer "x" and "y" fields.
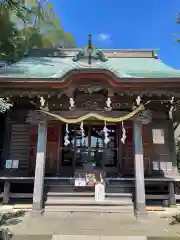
{"x": 57, "y": 67}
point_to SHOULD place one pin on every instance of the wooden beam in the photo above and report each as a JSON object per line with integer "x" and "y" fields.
{"x": 157, "y": 196}
{"x": 20, "y": 195}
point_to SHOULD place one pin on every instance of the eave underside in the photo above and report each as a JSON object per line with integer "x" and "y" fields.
{"x": 148, "y": 90}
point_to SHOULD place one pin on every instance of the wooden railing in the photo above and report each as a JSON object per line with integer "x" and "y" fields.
{"x": 172, "y": 194}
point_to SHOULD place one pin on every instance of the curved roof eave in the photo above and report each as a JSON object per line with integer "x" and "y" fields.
{"x": 51, "y": 67}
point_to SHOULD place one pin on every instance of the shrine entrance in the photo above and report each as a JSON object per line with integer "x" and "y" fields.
{"x": 90, "y": 152}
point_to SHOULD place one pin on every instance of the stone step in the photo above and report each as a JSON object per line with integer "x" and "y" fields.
{"x": 86, "y": 194}
{"x": 84, "y": 208}
{"x": 88, "y": 201}
{"x": 64, "y": 188}
{"x": 71, "y": 188}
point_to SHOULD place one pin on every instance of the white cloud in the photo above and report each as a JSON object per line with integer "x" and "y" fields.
{"x": 104, "y": 37}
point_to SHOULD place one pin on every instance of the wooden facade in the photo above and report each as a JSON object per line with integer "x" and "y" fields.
{"x": 23, "y": 145}
{"x": 36, "y": 139}
{"x": 23, "y": 134}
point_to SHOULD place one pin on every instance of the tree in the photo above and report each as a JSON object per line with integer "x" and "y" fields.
{"x": 14, "y": 7}
{"x": 41, "y": 28}
{"x": 50, "y": 29}
{"x": 27, "y": 24}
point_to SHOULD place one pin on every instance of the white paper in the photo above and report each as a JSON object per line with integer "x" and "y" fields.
{"x": 80, "y": 182}
{"x": 155, "y": 166}
{"x": 169, "y": 166}
{"x": 99, "y": 192}
{"x": 163, "y": 166}
{"x": 15, "y": 164}
{"x": 8, "y": 164}
{"x": 158, "y": 136}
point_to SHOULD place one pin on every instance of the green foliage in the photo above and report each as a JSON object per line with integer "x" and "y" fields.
{"x": 13, "y": 8}
{"x": 28, "y": 24}
{"x": 25, "y": 25}
{"x": 4, "y": 105}
{"x": 10, "y": 41}
{"x": 175, "y": 219}
{"x": 9, "y": 218}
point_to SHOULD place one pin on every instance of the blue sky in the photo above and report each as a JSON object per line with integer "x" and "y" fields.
{"x": 124, "y": 24}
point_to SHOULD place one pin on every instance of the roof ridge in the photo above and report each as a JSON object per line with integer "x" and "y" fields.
{"x": 71, "y": 52}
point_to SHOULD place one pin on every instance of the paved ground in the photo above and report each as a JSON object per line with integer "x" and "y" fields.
{"x": 92, "y": 224}
{"x": 81, "y": 237}
{"x": 85, "y": 237}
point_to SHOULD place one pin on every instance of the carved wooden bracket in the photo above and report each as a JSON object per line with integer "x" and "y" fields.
{"x": 35, "y": 117}
{"x": 110, "y": 92}
{"x": 145, "y": 117}
{"x": 69, "y": 92}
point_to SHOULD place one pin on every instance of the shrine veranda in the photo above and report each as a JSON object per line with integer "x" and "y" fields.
{"x": 93, "y": 115}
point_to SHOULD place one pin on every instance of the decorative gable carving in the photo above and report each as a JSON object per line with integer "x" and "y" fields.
{"x": 90, "y": 53}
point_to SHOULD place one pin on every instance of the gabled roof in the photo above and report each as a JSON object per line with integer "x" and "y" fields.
{"x": 57, "y": 63}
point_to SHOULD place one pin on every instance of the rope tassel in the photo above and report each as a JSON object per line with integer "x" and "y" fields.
{"x": 66, "y": 137}
{"x": 123, "y": 134}
{"x": 106, "y": 130}
{"x": 82, "y": 132}
{"x": 171, "y": 108}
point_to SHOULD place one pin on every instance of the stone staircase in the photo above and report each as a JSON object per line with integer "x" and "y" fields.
{"x": 67, "y": 198}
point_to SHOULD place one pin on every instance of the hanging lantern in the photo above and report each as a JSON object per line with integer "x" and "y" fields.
{"x": 123, "y": 134}
{"x": 145, "y": 117}
{"x": 66, "y": 137}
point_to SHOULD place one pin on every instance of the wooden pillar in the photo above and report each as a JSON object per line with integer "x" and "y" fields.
{"x": 139, "y": 170}
{"x": 6, "y": 192}
{"x": 6, "y": 142}
{"x": 172, "y": 198}
{"x": 172, "y": 146}
{"x": 40, "y": 167}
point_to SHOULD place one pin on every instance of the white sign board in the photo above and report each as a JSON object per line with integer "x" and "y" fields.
{"x": 80, "y": 182}
{"x": 15, "y": 164}
{"x": 8, "y": 164}
{"x": 169, "y": 166}
{"x": 12, "y": 164}
{"x": 163, "y": 166}
{"x": 158, "y": 136}
{"x": 99, "y": 192}
{"x": 155, "y": 166}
